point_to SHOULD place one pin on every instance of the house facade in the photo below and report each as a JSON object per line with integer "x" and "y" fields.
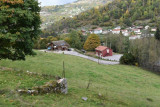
{"x": 103, "y": 51}
{"x": 136, "y": 30}
{"x": 98, "y": 31}
{"x": 84, "y": 32}
{"x": 58, "y": 45}
{"x": 116, "y": 31}
{"x": 133, "y": 37}
{"x": 125, "y": 32}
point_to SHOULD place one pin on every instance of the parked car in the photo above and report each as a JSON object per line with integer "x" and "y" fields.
{"x": 82, "y": 50}
{"x": 69, "y": 49}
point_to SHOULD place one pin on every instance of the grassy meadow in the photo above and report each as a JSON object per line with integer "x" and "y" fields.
{"x": 111, "y": 85}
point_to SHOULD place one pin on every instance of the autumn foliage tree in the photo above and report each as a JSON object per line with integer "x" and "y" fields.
{"x": 19, "y": 27}
{"x": 92, "y": 42}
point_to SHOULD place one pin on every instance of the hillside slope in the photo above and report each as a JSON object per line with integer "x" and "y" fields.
{"x": 51, "y": 14}
{"x": 112, "y": 86}
{"x": 118, "y": 12}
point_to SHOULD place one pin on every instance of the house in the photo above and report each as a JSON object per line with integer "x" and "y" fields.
{"x": 58, "y": 45}
{"x": 118, "y": 27}
{"x": 153, "y": 29}
{"x": 133, "y": 37}
{"x": 105, "y": 32}
{"x": 84, "y": 32}
{"x": 125, "y": 32}
{"x": 139, "y": 27}
{"x": 146, "y": 27}
{"x": 136, "y": 30}
{"x": 98, "y": 31}
{"x": 116, "y": 31}
{"x": 103, "y": 51}
{"x": 91, "y": 31}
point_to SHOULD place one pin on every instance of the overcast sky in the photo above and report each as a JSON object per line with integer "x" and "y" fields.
{"x": 55, "y": 2}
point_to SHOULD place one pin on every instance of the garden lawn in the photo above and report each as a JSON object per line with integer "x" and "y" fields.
{"x": 111, "y": 85}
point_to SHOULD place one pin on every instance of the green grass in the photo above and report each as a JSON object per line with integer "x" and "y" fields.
{"x": 119, "y": 85}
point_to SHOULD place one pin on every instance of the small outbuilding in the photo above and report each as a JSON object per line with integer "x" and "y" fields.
{"x": 58, "y": 45}
{"x": 103, "y": 51}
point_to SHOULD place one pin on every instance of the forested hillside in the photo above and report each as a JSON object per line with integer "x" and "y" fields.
{"x": 51, "y": 14}
{"x": 119, "y": 12}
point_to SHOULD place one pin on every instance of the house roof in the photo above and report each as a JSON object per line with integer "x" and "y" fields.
{"x": 139, "y": 27}
{"x": 125, "y": 30}
{"x": 60, "y": 43}
{"x": 136, "y": 29}
{"x": 116, "y": 29}
{"x": 101, "y": 48}
{"x": 98, "y": 28}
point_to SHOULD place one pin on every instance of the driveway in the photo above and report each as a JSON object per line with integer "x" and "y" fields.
{"x": 83, "y": 56}
{"x": 114, "y": 57}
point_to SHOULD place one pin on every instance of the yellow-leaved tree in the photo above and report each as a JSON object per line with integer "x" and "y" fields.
{"x": 92, "y": 42}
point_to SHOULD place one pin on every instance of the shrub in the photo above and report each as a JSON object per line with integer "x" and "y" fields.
{"x": 128, "y": 59}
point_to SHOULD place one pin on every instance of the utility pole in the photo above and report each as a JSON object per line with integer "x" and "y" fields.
{"x": 63, "y": 74}
{"x": 98, "y": 60}
{"x": 106, "y": 40}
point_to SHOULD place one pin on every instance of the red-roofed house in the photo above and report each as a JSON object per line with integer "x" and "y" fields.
{"x": 136, "y": 30}
{"x": 103, "y": 51}
{"x": 98, "y": 30}
{"x": 116, "y": 31}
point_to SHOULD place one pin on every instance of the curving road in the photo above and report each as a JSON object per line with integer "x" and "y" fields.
{"x": 83, "y": 56}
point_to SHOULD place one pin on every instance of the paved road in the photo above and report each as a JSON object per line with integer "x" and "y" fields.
{"x": 83, "y": 56}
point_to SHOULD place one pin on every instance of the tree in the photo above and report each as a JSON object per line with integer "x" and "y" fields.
{"x": 20, "y": 26}
{"x": 75, "y": 40}
{"x": 157, "y": 34}
{"x": 128, "y": 59}
{"x": 92, "y": 42}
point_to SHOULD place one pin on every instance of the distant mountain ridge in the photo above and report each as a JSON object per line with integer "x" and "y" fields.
{"x": 117, "y": 13}
{"x": 55, "y": 2}
{"x": 51, "y": 14}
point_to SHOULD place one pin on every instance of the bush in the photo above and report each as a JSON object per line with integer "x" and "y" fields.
{"x": 128, "y": 59}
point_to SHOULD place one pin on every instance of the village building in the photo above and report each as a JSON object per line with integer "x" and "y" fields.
{"x": 98, "y": 31}
{"x": 58, "y": 45}
{"x": 136, "y": 30}
{"x": 116, "y": 31}
{"x": 125, "y": 32}
{"x": 105, "y": 32}
{"x": 133, "y": 37}
{"x": 147, "y": 27}
{"x": 153, "y": 30}
{"x": 139, "y": 27}
{"x": 91, "y": 31}
{"x": 118, "y": 27}
{"x": 103, "y": 51}
{"x": 84, "y": 32}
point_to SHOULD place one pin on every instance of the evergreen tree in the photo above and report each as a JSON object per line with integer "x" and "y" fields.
{"x": 75, "y": 40}
{"x": 19, "y": 26}
{"x": 157, "y": 34}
